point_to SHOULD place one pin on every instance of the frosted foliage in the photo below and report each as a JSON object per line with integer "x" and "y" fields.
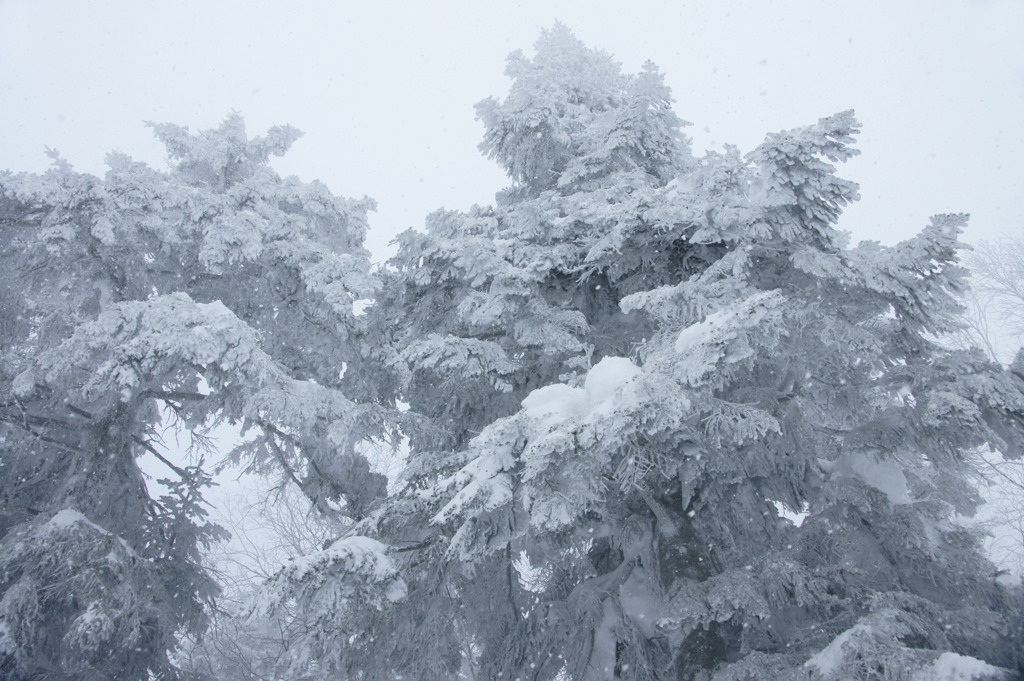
{"x": 138, "y": 340}
{"x": 540, "y": 442}
{"x": 463, "y": 356}
{"x": 95, "y": 568}
{"x": 332, "y": 595}
{"x": 224, "y": 156}
{"x": 481, "y": 481}
{"x": 213, "y": 293}
{"x": 796, "y": 182}
{"x": 571, "y": 115}
{"x": 720, "y": 336}
{"x": 830, "y": 661}
{"x": 549, "y": 420}
{"x": 362, "y": 558}
{"x": 699, "y": 605}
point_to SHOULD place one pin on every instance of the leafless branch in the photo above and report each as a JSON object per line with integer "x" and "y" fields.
{"x": 153, "y": 450}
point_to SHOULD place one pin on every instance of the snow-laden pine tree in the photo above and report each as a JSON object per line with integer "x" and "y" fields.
{"x": 671, "y": 425}
{"x": 213, "y": 292}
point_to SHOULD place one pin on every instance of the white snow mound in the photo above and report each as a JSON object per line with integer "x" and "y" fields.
{"x": 556, "y": 403}
{"x": 953, "y": 667}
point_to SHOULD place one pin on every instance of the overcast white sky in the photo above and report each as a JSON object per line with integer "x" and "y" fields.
{"x": 385, "y": 90}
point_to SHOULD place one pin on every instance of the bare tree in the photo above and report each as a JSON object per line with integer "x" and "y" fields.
{"x": 995, "y": 306}
{"x": 269, "y": 525}
{"x": 1003, "y": 515}
{"x": 994, "y": 317}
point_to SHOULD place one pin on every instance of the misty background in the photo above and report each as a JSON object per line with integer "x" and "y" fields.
{"x": 385, "y": 91}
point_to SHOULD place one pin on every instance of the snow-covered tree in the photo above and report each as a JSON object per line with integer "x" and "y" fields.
{"x": 671, "y": 426}
{"x": 663, "y": 421}
{"x": 215, "y": 292}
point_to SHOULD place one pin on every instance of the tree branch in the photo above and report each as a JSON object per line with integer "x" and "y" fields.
{"x": 417, "y": 546}
{"x": 1003, "y": 475}
{"x": 279, "y": 455}
{"x": 176, "y": 395}
{"x": 23, "y": 425}
{"x": 152, "y": 450}
{"x": 276, "y": 431}
{"x": 316, "y": 499}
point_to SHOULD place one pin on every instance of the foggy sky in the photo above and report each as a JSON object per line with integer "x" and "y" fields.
{"x": 385, "y": 91}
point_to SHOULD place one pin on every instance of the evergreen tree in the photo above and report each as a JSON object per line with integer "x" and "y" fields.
{"x": 670, "y": 425}
{"x": 663, "y": 422}
{"x": 216, "y": 292}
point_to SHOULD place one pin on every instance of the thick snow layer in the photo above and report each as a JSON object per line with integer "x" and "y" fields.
{"x": 67, "y": 517}
{"x": 610, "y": 374}
{"x": 795, "y": 517}
{"x": 362, "y": 555}
{"x": 553, "y": 404}
{"x": 947, "y": 667}
{"x": 829, "y": 660}
{"x": 953, "y": 667}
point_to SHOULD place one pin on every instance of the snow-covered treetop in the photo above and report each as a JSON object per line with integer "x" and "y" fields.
{"x": 572, "y": 115}
{"x": 218, "y": 159}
